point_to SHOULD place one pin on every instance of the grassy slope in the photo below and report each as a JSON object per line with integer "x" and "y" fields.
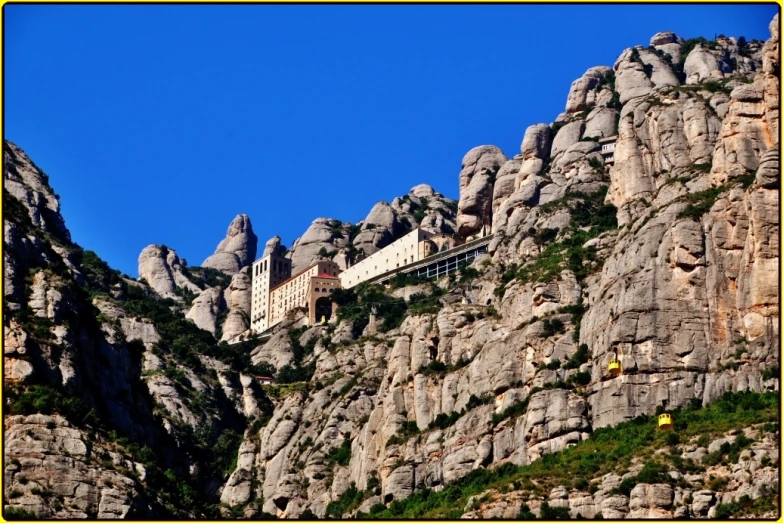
{"x": 608, "y": 449}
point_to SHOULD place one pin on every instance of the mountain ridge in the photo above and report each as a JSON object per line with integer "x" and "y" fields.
{"x": 663, "y": 257}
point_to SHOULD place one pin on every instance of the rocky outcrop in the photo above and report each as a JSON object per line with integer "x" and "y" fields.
{"x": 238, "y": 298}
{"x": 30, "y": 185}
{"x": 665, "y": 260}
{"x": 273, "y": 245}
{"x": 323, "y": 233}
{"x": 585, "y": 89}
{"x": 238, "y": 248}
{"x": 206, "y": 308}
{"x": 345, "y": 243}
{"x": 55, "y": 471}
{"x": 476, "y": 180}
{"x": 163, "y": 270}
{"x": 379, "y": 229}
{"x": 669, "y": 43}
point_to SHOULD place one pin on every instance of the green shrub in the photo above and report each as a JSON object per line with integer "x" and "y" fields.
{"x": 476, "y": 401}
{"x": 595, "y": 456}
{"x": 342, "y": 454}
{"x": 552, "y": 327}
{"x": 434, "y": 367}
{"x": 16, "y": 513}
{"x": 700, "y": 202}
{"x": 550, "y": 513}
{"x": 580, "y": 357}
{"x": 443, "y": 421}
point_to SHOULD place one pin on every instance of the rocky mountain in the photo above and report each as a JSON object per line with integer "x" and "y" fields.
{"x": 484, "y": 394}
{"x": 237, "y": 250}
{"x": 346, "y": 243}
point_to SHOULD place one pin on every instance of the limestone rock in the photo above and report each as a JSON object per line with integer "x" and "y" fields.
{"x": 56, "y": 471}
{"x": 701, "y": 65}
{"x": 651, "y": 501}
{"x": 237, "y": 249}
{"x": 505, "y": 183}
{"x": 378, "y": 229}
{"x": 584, "y": 90}
{"x": 30, "y": 185}
{"x": 205, "y": 309}
{"x": 537, "y": 141}
{"x": 601, "y": 123}
{"x": 238, "y": 299}
{"x": 162, "y": 269}
{"x": 323, "y": 233}
{"x": 476, "y": 180}
{"x": 567, "y": 136}
{"x": 630, "y": 79}
{"x": 669, "y": 43}
{"x": 273, "y": 245}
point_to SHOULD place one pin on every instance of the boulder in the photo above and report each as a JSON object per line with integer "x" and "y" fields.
{"x": 237, "y": 249}
{"x": 479, "y": 167}
{"x": 162, "y": 269}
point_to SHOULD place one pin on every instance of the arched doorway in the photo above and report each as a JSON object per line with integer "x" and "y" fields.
{"x": 323, "y": 309}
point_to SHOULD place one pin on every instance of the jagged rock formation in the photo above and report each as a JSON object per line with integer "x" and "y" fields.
{"x": 237, "y": 249}
{"x": 56, "y": 458}
{"x": 162, "y": 269}
{"x": 237, "y": 297}
{"x": 476, "y": 180}
{"x": 206, "y": 308}
{"x": 273, "y": 246}
{"x": 665, "y": 260}
{"x": 30, "y": 185}
{"x": 345, "y": 243}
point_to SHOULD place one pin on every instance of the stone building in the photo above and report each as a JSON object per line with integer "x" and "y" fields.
{"x": 267, "y": 273}
{"x": 275, "y": 292}
{"x": 607, "y": 148}
{"x": 414, "y": 246}
{"x": 311, "y": 289}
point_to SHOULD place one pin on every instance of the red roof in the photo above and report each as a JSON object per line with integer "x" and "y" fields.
{"x": 264, "y": 377}
{"x": 327, "y": 276}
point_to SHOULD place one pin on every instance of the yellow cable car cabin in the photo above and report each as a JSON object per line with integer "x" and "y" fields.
{"x": 665, "y": 422}
{"x": 614, "y": 368}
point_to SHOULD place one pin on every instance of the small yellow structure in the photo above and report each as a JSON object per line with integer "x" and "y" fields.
{"x": 323, "y": 320}
{"x": 665, "y": 422}
{"x": 614, "y": 368}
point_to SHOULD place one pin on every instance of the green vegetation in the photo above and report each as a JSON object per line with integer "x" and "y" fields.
{"x": 342, "y": 454}
{"x": 405, "y": 279}
{"x": 589, "y": 218}
{"x": 745, "y": 507}
{"x": 420, "y": 211}
{"x": 581, "y": 356}
{"x": 356, "y": 304}
{"x": 420, "y": 303}
{"x": 205, "y": 277}
{"x": 15, "y": 211}
{"x": 297, "y": 371}
{"x": 348, "y": 501}
{"x": 323, "y": 253}
{"x": 609, "y": 449}
{"x": 44, "y": 399}
{"x": 700, "y": 202}
{"x": 552, "y": 327}
{"x": 15, "y": 513}
{"x": 728, "y": 452}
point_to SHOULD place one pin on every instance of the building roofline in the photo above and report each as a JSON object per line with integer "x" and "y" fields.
{"x": 298, "y": 274}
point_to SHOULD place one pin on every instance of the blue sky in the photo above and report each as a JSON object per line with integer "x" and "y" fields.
{"x": 160, "y": 123}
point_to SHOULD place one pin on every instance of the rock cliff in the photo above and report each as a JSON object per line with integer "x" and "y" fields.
{"x": 484, "y": 394}
{"x": 238, "y": 248}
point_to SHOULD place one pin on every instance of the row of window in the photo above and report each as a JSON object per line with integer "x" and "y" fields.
{"x": 277, "y": 266}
